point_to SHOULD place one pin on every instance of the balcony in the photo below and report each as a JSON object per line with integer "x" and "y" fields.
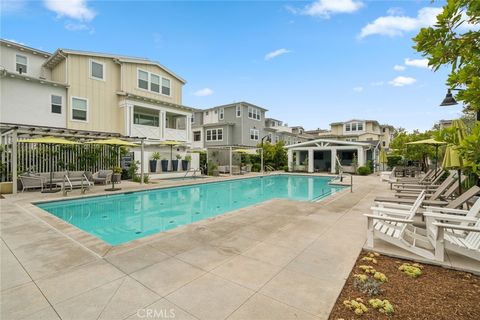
{"x": 175, "y": 134}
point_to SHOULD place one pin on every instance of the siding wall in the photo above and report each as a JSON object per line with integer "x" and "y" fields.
{"x": 34, "y": 62}
{"x": 59, "y": 72}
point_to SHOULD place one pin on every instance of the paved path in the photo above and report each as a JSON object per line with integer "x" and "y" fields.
{"x": 278, "y": 260}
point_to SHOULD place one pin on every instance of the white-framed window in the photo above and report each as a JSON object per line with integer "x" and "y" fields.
{"x": 79, "y": 109}
{"x": 146, "y": 117}
{"x": 384, "y": 129}
{"x": 354, "y": 126}
{"x": 56, "y": 104}
{"x": 154, "y": 83}
{"x": 192, "y": 119}
{"x": 197, "y": 136}
{"x": 384, "y": 143}
{"x": 221, "y": 115}
{"x": 97, "y": 70}
{"x": 347, "y": 127}
{"x": 166, "y": 86}
{"x": 238, "y": 111}
{"x": 214, "y": 134}
{"x": 206, "y": 113}
{"x": 254, "y": 134}
{"x": 21, "y": 63}
{"x": 254, "y": 113}
{"x": 143, "y": 79}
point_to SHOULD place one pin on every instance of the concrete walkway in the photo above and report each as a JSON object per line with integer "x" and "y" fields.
{"x": 278, "y": 260}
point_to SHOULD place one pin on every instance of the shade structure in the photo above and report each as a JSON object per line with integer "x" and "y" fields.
{"x": 50, "y": 141}
{"x": 171, "y": 143}
{"x": 117, "y": 143}
{"x": 434, "y": 143}
{"x": 452, "y": 159}
{"x": 113, "y": 142}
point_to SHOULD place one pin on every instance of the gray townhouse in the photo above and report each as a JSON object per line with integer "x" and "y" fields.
{"x": 235, "y": 124}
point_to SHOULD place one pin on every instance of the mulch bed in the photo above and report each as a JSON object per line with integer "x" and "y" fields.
{"x": 438, "y": 293}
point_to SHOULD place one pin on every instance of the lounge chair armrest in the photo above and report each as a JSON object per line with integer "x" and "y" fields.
{"x": 373, "y": 216}
{"x": 450, "y": 217}
{"x": 392, "y": 212}
{"x": 446, "y": 210}
{"x": 456, "y": 227}
{"x": 392, "y": 205}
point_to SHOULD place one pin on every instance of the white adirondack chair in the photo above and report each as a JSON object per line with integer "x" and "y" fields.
{"x": 455, "y": 230}
{"x": 393, "y": 223}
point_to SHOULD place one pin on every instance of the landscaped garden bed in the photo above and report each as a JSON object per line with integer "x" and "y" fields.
{"x": 381, "y": 287}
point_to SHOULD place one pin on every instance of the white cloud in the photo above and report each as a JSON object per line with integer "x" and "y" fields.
{"x": 203, "y": 92}
{"x": 325, "y": 8}
{"x": 399, "y": 68}
{"x": 395, "y": 11}
{"x": 276, "y": 53}
{"x": 419, "y": 63}
{"x": 398, "y": 25}
{"x": 377, "y": 84}
{"x": 74, "y": 9}
{"x": 358, "y": 89}
{"x": 71, "y": 26}
{"x": 402, "y": 81}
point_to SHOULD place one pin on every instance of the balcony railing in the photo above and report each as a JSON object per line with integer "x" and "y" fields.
{"x": 175, "y": 134}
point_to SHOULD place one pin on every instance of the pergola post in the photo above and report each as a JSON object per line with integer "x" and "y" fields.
{"x": 290, "y": 159}
{"x": 261, "y": 161}
{"x": 310, "y": 161}
{"x": 14, "y": 161}
{"x": 142, "y": 155}
{"x": 230, "y": 159}
{"x": 360, "y": 156}
{"x": 333, "y": 161}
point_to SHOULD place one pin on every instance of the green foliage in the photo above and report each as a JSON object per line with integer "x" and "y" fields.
{"x": 132, "y": 172}
{"x": 356, "y": 306}
{"x": 256, "y": 167}
{"x": 469, "y": 149}
{"x": 212, "y": 166}
{"x": 363, "y": 171}
{"x": 412, "y": 270}
{"x": 367, "y": 285}
{"x": 393, "y": 160}
{"x": 418, "y": 152}
{"x": 275, "y": 155}
{"x": 117, "y": 169}
{"x": 156, "y": 156}
{"x": 384, "y": 306}
{"x": 187, "y": 158}
{"x": 447, "y": 44}
{"x": 178, "y": 156}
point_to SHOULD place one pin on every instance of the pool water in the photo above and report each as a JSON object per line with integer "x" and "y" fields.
{"x": 120, "y": 218}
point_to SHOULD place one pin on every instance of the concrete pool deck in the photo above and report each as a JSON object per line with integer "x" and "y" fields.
{"x": 280, "y": 259}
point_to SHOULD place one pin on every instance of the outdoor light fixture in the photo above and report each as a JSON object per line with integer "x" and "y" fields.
{"x": 449, "y": 100}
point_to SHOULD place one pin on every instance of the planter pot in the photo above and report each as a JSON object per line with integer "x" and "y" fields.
{"x": 185, "y": 165}
{"x": 116, "y": 177}
{"x": 174, "y": 165}
{"x": 164, "y": 164}
{"x": 7, "y": 187}
{"x": 153, "y": 165}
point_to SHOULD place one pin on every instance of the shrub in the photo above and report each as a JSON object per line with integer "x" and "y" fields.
{"x": 384, "y": 306}
{"x": 256, "y": 167}
{"x": 285, "y": 168}
{"x": 393, "y": 160}
{"x": 367, "y": 269}
{"x": 369, "y": 259}
{"x": 356, "y": 306}
{"x": 412, "y": 270}
{"x": 363, "y": 171}
{"x": 367, "y": 285}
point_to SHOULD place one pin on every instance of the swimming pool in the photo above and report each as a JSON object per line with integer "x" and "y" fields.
{"x": 120, "y": 218}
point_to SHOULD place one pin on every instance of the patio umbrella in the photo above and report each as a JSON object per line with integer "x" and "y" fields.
{"x": 171, "y": 143}
{"x": 383, "y": 158}
{"x": 434, "y": 143}
{"x": 113, "y": 142}
{"x": 49, "y": 141}
{"x": 452, "y": 159}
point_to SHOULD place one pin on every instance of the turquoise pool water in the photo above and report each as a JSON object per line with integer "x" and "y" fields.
{"x": 120, "y": 218}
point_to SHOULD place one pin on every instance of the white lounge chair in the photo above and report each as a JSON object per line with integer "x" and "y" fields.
{"x": 393, "y": 223}
{"x": 453, "y": 229}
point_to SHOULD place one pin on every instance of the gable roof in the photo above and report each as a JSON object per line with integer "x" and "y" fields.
{"x": 314, "y": 143}
{"x": 60, "y": 53}
{"x": 23, "y": 47}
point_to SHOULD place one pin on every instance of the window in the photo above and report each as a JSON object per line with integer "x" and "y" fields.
{"x": 56, "y": 102}
{"x": 96, "y": 70}
{"x": 21, "y": 64}
{"x": 215, "y": 134}
{"x": 359, "y": 126}
{"x": 216, "y": 111}
{"x": 354, "y": 126}
{"x": 347, "y": 127}
{"x": 384, "y": 129}
{"x": 145, "y": 117}
{"x": 384, "y": 143}
{"x": 192, "y": 119}
{"x": 222, "y": 114}
{"x": 155, "y": 83}
{"x": 165, "y": 86}
{"x": 197, "y": 136}
{"x": 143, "y": 79}
{"x": 206, "y": 113}
{"x": 79, "y": 109}
{"x": 253, "y": 113}
{"x": 254, "y": 134}
{"x": 238, "y": 111}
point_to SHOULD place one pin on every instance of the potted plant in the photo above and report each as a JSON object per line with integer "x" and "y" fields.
{"x": 153, "y": 161}
{"x": 164, "y": 163}
{"x": 175, "y": 162}
{"x": 185, "y": 162}
{"x": 117, "y": 174}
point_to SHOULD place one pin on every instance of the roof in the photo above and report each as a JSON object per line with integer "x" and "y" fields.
{"x": 58, "y": 55}
{"x": 314, "y": 143}
{"x": 234, "y": 104}
{"x": 23, "y": 47}
{"x": 358, "y": 120}
{"x": 5, "y": 73}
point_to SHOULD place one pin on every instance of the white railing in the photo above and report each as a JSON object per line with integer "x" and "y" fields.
{"x": 139, "y": 130}
{"x": 175, "y": 134}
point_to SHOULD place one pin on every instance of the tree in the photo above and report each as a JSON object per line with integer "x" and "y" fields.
{"x": 274, "y": 155}
{"x": 418, "y": 152}
{"x": 447, "y": 43}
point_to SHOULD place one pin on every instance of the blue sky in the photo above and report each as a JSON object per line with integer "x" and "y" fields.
{"x": 310, "y": 63}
